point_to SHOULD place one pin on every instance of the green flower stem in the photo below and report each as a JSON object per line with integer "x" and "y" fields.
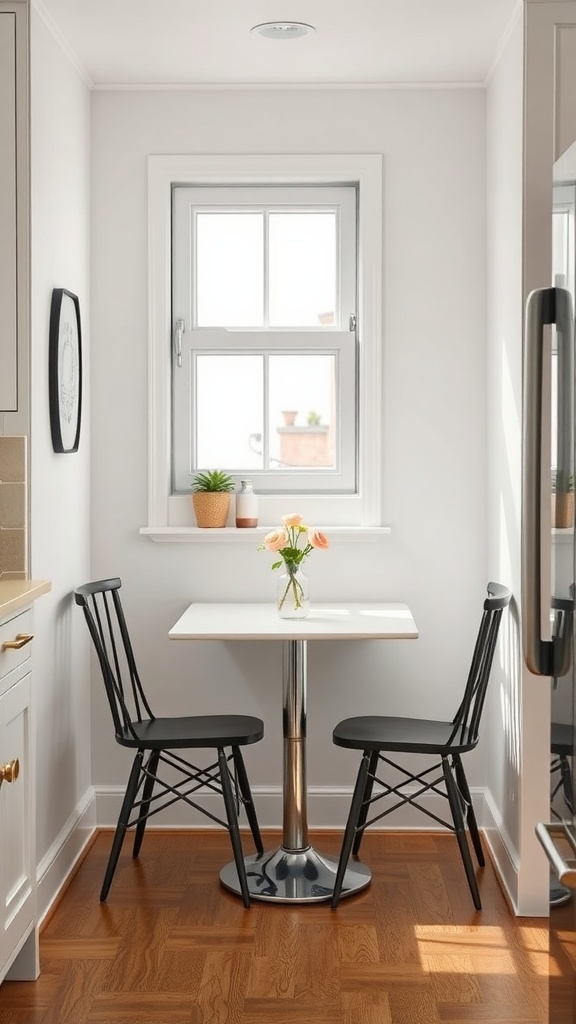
{"x": 296, "y": 586}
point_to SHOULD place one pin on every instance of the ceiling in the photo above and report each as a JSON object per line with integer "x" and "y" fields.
{"x": 209, "y": 42}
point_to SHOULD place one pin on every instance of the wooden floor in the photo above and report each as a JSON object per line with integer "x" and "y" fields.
{"x": 171, "y": 946}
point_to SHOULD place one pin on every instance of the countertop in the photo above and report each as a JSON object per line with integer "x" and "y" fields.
{"x": 16, "y": 594}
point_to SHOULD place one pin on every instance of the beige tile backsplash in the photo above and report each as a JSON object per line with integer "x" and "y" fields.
{"x": 13, "y": 505}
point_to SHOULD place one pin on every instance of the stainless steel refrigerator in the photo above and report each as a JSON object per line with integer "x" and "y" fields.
{"x": 549, "y": 573}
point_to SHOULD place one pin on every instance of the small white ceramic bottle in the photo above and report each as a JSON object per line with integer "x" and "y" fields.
{"x": 246, "y": 506}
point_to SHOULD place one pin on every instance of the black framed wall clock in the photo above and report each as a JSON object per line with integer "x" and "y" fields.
{"x": 65, "y": 370}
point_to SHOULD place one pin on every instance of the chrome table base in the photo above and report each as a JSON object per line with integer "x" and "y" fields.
{"x": 288, "y": 876}
{"x": 295, "y": 872}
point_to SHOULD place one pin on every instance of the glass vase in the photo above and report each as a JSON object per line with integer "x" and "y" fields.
{"x": 292, "y": 595}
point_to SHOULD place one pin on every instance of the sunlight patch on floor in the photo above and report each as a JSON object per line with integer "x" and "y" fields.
{"x": 457, "y": 944}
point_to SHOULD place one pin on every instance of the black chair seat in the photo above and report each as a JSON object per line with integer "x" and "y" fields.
{"x": 408, "y": 735}
{"x": 562, "y": 738}
{"x": 157, "y": 740}
{"x": 194, "y": 731}
{"x": 382, "y": 782}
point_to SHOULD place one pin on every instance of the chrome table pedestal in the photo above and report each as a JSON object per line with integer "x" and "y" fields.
{"x": 295, "y": 872}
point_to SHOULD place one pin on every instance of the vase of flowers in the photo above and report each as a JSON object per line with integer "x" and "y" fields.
{"x": 293, "y": 542}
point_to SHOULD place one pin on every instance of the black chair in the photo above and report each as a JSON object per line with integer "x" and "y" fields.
{"x": 156, "y": 740}
{"x": 562, "y": 740}
{"x": 562, "y": 747}
{"x": 447, "y": 741}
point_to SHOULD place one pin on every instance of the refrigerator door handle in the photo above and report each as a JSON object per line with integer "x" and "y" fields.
{"x": 540, "y": 310}
{"x": 562, "y": 638}
{"x": 565, "y": 870}
{"x": 545, "y": 306}
{"x": 565, "y": 415}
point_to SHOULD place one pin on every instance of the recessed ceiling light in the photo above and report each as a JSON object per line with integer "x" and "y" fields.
{"x": 283, "y": 29}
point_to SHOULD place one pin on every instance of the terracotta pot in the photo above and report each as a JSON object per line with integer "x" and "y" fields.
{"x": 563, "y": 510}
{"x": 211, "y": 508}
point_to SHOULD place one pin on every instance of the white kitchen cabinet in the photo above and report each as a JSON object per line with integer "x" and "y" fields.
{"x": 14, "y": 202}
{"x": 18, "y": 931}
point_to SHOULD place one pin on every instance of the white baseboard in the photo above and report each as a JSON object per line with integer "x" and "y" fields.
{"x": 327, "y": 809}
{"x": 502, "y": 852}
{"x": 58, "y": 862}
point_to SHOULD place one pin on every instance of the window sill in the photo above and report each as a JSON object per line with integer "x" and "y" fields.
{"x": 562, "y": 536}
{"x": 230, "y": 534}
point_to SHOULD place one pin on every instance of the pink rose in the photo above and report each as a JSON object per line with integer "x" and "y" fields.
{"x": 318, "y": 539}
{"x": 275, "y": 540}
{"x": 294, "y": 519}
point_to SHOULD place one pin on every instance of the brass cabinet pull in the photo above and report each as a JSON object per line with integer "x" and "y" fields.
{"x": 10, "y": 772}
{"x": 21, "y": 640}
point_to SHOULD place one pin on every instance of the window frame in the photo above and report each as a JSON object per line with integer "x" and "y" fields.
{"x": 167, "y": 511}
{"x": 188, "y": 203}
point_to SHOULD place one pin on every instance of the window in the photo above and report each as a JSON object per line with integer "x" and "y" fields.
{"x": 254, "y": 334}
{"x": 265, "y": 362}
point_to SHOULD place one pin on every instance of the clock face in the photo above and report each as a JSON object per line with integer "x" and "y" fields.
{"x": 65, "y": 371}
{"x": 68, "y": 372}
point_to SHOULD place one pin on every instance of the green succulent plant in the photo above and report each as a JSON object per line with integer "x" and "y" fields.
{"x": 562, "y": 482}
{"x": 213, "y": 480}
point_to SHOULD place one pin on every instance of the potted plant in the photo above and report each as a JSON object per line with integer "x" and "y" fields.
{"x": 562, "y": 499}
{"x": 211, "y": 497}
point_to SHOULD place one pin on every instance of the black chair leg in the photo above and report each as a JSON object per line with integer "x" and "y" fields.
{"x": 373, "y": 764}
{"x": 351, "y": 825}
{"x": 455, "y": 807}
{"x": 233, "y": 826}
{"x": 567, "y": 787}
{"x": 123, "y": 819}
{"x": 462, "y": 782}
{"x": 246, "y": 794}
{"x": 146, "y": 798}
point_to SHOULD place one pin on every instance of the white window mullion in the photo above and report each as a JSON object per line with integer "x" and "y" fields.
{"x": 266, "y": 417}
{"x": 191, "y": 282}
{"x": 266, "y": 297}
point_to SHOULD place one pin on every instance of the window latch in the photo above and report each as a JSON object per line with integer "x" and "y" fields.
{"x": 352, "y": 322}
{"x": 178, "y": 341}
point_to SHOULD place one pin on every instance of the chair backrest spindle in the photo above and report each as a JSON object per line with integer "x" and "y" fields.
{"x": 102, "y": 607}
{"x": 467, "y": 719}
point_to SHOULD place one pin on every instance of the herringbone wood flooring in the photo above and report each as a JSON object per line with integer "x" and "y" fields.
{"x": 171, "y": 946}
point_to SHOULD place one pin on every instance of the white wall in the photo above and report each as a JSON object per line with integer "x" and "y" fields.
{"x": 519, "y": 712}
{"x": 60, "y": 511}
{"x": 504, "y": 134}
{"x": 434, "y": 399}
